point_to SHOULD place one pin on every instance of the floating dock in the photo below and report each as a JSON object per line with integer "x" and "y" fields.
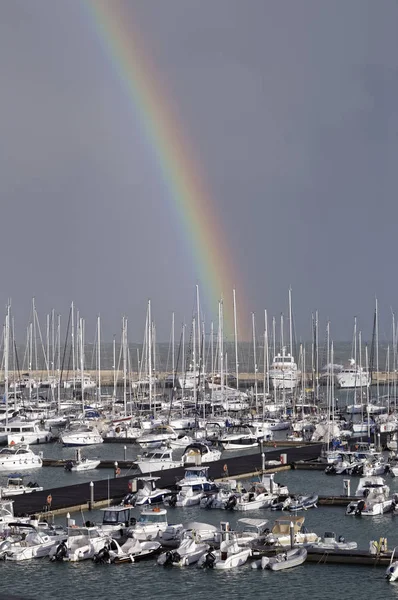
{"x": 321, "y": 556}
{"x": 76, "y": 497}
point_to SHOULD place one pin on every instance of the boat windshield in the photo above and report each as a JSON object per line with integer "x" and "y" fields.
{"x": 112, "y": 516}
{"x": 152, "y": 518}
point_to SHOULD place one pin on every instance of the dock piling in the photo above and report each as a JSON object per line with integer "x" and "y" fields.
{"x": 91, "y": 503}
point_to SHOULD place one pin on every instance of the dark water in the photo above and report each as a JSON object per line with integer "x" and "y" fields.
{"x": 42, "y": 579}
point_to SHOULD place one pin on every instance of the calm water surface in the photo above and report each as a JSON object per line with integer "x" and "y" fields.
{"x": 42, "y": 579}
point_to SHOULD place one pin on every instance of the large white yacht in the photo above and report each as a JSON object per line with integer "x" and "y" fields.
{"x": 19, "y": 456}
{"x": 283, "y": 372}
{"x": 353, "y": 376}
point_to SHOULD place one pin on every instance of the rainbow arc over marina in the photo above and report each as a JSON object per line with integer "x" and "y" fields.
{"x": 186, "y": 189}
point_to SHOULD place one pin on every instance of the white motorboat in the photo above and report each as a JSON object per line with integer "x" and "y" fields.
{"x": 143, "y": 490}
{"x": 353, "y": 376}
{"x": 268, "y": 482}
{"x": 186, "y": 496}
{"x": 287, "y": 527}
{"x": 283, "y": 372}
{"x": 197, "y": 477}
{"x": 84, "y": 464}
{"x": 81, "y": 464}
{"x": 190, "y": 550}
{"x": 192, "y": 487}
{"x": 257, "y": 497}
{"x": 173, "y": 534}
{"x": 301, "y": 502}
{"x": 251, "y": 531}
{"x": 373, "y": 498}
{"x": 131, "y": 551}
{"x": 150, "y": 525}
{"x": 19, "y": 457}
{"x": 392, "y": 569}
{"x": 330, "y": 542}
{"x": 116, "y": 520}
{"x": 182, "y": 441}
{"x": 15, "y": 486}
{"x": 230, "y": 554}
{"x": 80, "y": 434}
{"x": 25, "y": 541}
{"x": 224, "y": 498}
{"x": 27, "y": 432}
{"x": 157, "y": 436}
{"x": 7, "y": 514}
{"x": 199, "y": 453}
{"x": 82, "y": 543}
{"x": 238, "y": 437}
{"x": 284, "y": 560}
{"x": 159, "y": 459}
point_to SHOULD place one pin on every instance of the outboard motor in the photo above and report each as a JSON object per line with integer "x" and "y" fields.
{"x": 102, "y": 557}
{"x": 210, "y": 559}
{"x": 5, "y": 547}
{"x": 171, "y": 557}
{"x": 61, "y": 552}
{"x": 359, "y": 508}
{"x": 330, "y": 470}
{"x": 129, "y": 500}
{"x": 341, "y": 539}
{"x": 231, "y": 502}
{"x": 209, "y": 502}
{"x": 173, "y": 500}
{"x": 68, "y": 465}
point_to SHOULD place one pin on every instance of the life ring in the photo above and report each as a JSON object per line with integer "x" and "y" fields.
{"x": 49, "y": 499}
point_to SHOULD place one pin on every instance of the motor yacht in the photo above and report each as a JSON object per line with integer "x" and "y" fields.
{"x": 159, "y": 459}
{"x": 19, "y": 457}
{"x": 200, "y": 453}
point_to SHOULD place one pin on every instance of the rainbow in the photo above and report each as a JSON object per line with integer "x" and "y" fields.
{"x": 189, "y": 198}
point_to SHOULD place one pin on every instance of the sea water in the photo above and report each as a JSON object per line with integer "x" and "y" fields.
{"x": 41, "y": 579}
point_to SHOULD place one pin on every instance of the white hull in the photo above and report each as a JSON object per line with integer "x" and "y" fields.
{"x": 81, "y": 439}
{"x": 148, "y": 467}
{"x": 85, "y": 465}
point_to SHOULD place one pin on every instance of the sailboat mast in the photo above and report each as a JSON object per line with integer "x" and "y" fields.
{"x": 255, "y": 362}
{"x": 290, "y": 323}
{"x": 6, "y": 359}
{"x": 377, "y": 351}
{"x": 236, "y": 342}
{"x": 99, "y": 355}
{"x": 266, "y": 355}
{"x": 150, "y": 354}
{"x": 198, "y": 329}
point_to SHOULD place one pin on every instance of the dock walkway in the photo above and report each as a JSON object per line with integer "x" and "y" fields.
{"x": 74, "y": 497}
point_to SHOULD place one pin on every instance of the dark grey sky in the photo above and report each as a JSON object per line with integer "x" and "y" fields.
{"x": 292, "y": 109}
